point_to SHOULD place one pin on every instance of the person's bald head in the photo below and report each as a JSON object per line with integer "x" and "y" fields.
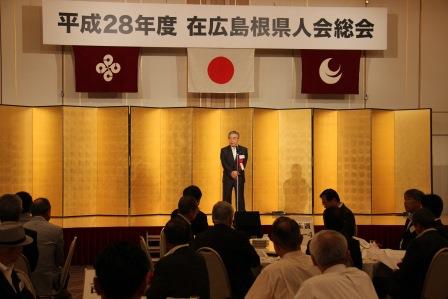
{"x": 328, "y": 248}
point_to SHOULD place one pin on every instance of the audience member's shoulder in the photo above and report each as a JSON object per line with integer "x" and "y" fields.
{"x": 30, "y": 232}
{"x": 174, "y": 213}
{"x": 201, "y": 215}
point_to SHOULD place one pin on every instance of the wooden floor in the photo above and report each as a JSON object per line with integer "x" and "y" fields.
{"x": 76, "y": 282}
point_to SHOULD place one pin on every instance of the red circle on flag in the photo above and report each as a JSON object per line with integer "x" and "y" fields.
{"x": 220, "y": 70}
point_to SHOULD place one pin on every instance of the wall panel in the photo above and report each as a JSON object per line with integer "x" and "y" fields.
{"x": 295, "y": 157}
{"x": 412, "y": 153}
{"x": 31, "y": 71}
{"x": 325, "y": 158}
{"x": 16, "y": 149}
{"x": 112, "y": 192}
{"x": 207, "y": 170}
{"x": 176, "y": 155}
{"x": 47, "y": 156}
{"x": 383, "y": 162}
{"x": 354, "y": 159}
{"x": 265, "y": 160}
{"x": 145, "y": 161}
{"x": 80, "y": 139}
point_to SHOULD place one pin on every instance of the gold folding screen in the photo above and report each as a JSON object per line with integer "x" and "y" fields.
{"x": 47, "y": 156}
{"x": 295, "y": 157}
{"x": 78, "y": 157}
{"x": 371, "y": 157}
{"x": 173, "y": 148}
{"x": 412, "y": 152}
{"x": 16, "y": 149}
{"x": 95, "y": 147}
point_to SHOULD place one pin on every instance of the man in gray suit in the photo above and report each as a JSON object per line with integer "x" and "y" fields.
{"x": 50, "y": 242}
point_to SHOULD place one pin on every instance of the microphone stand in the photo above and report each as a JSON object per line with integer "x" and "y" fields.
{"x": 237, "y": 183}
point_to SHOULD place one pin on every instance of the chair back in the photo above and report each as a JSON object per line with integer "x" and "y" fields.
{"x": 162, "y": 243}
{"x": 145, "y": 248}
{"x": 23, "y": 264}
{"x": 435, "y": 286}
{"x": 25, "y": 278}
{"x": 217, "y": 274}
{"x": 66, "y": 268}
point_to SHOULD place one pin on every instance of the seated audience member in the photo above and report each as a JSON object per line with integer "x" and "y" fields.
{"x": 233, "y": 247}
{"x": 50, "y": 241}
{"x": 283, "y": 278}
{"x": 330, "y": 198}
{"x": 434, "y": 203}
{"x": 27, "y": 200}
{"x": 10, "y": 209}
{"x": 337, "y": 281}
{"x": 407, "y": 282}
{"x": 199, "y": 224}
{"x": 187, "y": 209}
{"x": 333, "y": 219}
{"x": 122, "y": 272}
{"x": 12, "y": 239}
{"x": 181, "y": 273}
{"x": 412, "y": 202}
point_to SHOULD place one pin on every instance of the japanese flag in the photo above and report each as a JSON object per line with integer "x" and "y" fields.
{"x": 220, "y": 70}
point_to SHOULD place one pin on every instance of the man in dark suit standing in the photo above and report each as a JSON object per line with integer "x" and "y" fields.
{"x": 233, "y": 160}
{"x": 233, "y": 247}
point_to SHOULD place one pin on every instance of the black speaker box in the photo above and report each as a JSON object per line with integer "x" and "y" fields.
{"x": 249, "y": 223}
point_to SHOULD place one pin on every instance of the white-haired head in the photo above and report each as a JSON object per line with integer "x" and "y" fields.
{"x": 328, "y": 248}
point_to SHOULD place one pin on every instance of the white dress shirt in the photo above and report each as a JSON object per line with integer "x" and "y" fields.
{"x": 234, "y": 152}
{"x": 282, "y": 279}
{"x": 338, "y": 282}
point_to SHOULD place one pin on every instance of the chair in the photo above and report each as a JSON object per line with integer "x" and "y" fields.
{"x": 145, "y": 248}
{"x": 162, "y": 243}
{"x": 435, "y": 286}
{"x": 25, "y": 278}
{"x": 23, "y": 264}
{"x": 217, "y": 274}
{"x": 61, "y": 291}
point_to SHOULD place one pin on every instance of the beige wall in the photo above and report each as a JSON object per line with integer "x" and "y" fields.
{"x": 409, "y": 74}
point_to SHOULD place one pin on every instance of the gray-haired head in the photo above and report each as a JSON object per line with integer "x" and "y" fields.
{"x": 328, "y": 248}
{"x": 222, "y": 213}
{"x": 233, "y": 133}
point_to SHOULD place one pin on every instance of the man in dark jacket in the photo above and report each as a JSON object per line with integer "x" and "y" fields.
{"x": 181, "y": 273}
{"x": 199, "y": 224}
{"x": 330, "y": 198}
{"x": 412, "y": 202}
{"x": 407, "y": 282}
{"x": 233, "y": 247}
{"x": 233, "y": 160}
